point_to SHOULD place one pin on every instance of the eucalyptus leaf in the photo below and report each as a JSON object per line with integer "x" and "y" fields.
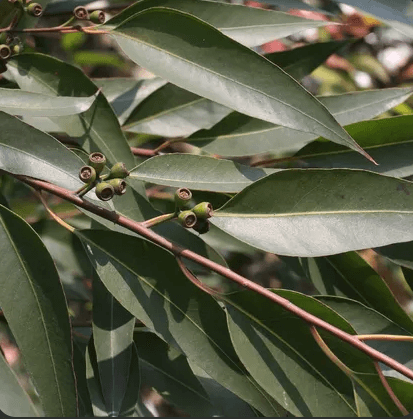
{"x": 317, "y": 212}
{"x": 29, "y": 275}
{"x": 19, "y": 102}
{"x": 249, "y": 26}
{"x": 240, "y": 135}
{"x": 171, "y": 43}
{"x": 198, "y": 172}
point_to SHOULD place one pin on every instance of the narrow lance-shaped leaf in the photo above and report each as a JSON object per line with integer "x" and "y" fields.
{"x": 175, "y": 112}
{"x": 18, "y": 102}
{"x": 240, "y": 135}
{"x": 249, "y": 26}
{"x": 32, "y": 300}
{"x": 134, "y": 271}
{"x": 317, "y": 212}
{"x": 173, "y": 44}
{"x": 113, "y": 337}
{"x": 198, "y": 172}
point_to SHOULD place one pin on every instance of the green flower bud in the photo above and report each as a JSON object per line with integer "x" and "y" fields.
{"x": 97, "y": 161}
{"x": 182, "y": 197}
{"x": 203, "y": 210}
{"x": 187, "y": 219}
{"x": 119, "y": 171}
{"x": 81, "y": 13}
{"x": 201, "y": 226}
{"x": 34, "y": 9}
{"x": 119, "y": 185}
{"x": 5, "y": 52}
{"x": 87, "y": 174}
{"x": 98, "y": 16}
{"x": 17, "y": 49}
{"x": 104, "y": 191}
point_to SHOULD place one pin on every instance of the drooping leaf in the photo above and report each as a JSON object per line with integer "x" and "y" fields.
{"x": 96, "y": 129}
{"x": 32, "y": 300}
{"x": 148, "y": 283}
{"x": 240, "y": 135}
{"x": 27, "y": 151}
{"x": 351, "y": 276}
{"x": 113, "y": 337}
{"x": 14, "y": 400}
{"x": 171, "y": 43}
{"x": 125, "y": 94}
{"x": 317, "y": 212}
{"x": 249, "y": 26}
{"x": 400, "y": 253}
{"x": 19, "y": 102}
{"x": 175, "y": 112}
{"x": 198, "y": 172}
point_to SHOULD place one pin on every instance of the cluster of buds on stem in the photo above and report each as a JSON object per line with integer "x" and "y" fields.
{"x": 9, "y": 45}
{"x": 97, "y": 16}
{"x": 196, "y": 217}
{"x": 106, "y": 185}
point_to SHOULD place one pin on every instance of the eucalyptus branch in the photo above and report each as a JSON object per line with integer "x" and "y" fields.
{"x": 396, "y": 338}
{"x": 181, "y": 252}
{"x": 144, "y": 152}
{"x": 56, "y": 29}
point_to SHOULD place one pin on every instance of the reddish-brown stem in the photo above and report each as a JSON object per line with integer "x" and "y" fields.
{"x": 59, "y": 29}
{"x": 272, "y": 161}
{"x": 398, "y": 338}
{"x": 143, "y": 152}
{"x": 215, "y": 267}
{"x": 389, "y": 390}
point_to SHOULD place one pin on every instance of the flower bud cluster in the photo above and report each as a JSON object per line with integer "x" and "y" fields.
{"x": 106, "y": 185}
{"x": 195, "y": 217}
{"x": 81, "y": 13}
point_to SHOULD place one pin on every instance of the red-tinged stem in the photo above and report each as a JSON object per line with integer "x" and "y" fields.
{"x": 396, "y": 338}
{"x": 389, "y": 390}
{"x": 215, "y": 267}
{"x": 143, "y": 152}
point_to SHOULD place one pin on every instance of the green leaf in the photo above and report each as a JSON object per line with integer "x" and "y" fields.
{"x": 249, "y": 26}
{"x": 317, "y": 212}
{"x": 171, "y": 44}
{"x": 400, "y": 253}
{"x": 27, "y": 151}
{"x": 32, "y": 299}
{"x": 113, "y": 337}
{"x": 79, "y": 365}
{"x": 387, "y": 140}
{"x": 93, "y": 381}
{"x": 289, "y": 4}
{"x": 18, "y": 102}
{"x": 124, "y": 94}
{"x": 167, "y": 371}
{"x": 173, "y": 307}
{"x": 175, "y": 112}
{"x": 95, "y": 129}
{"x": 240, "y": 135}
{"x": 278, "y": 350}
{"x": 366, "y": 321}
{"x": 198, "y": 172}
{"x": 351, "y": 276}
{"x": 300, "y": 62}
{"x": 14, "y": 400}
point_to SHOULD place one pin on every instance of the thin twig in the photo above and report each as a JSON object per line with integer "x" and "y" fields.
{"x": 215, "y": 267}
{"x": 52, "y": 214}
{"x": 144, "y": 152}
{"x": 389, "y": 390}
{"x": 396, "y": 338}
{"x": 158, "y": 220}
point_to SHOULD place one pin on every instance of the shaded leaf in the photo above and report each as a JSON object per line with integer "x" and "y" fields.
{"x": 240, "y": 135}
{"x": 79, "y": 366}
{"x": 246, "y": 25}
{"x": 19, "y": 102}
{"x": 174, "y": 308}
{"x": 14, "y": 400}
{"x": 171, "y": 43}
{"x": 316, "y": 212}
{"x": 113, "y": 337}
{"x": 198, "y": 172}
{"x": 29, "y": 275}
{"x": 400, "y": 253}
